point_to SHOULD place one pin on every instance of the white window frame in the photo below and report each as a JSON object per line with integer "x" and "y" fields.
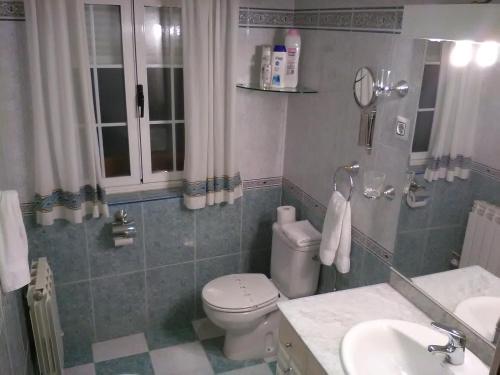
{"x": 421, "y": 158}
{"x": 141, "y": 178}
{"x": 148, "y": 175}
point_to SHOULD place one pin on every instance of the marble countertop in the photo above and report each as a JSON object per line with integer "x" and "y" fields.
{"x": 450, "y": 288}
{"x": 323, "y": 320}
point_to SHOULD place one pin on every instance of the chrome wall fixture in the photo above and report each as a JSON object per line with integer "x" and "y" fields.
{"x": 385, "y": 87}
{"x": 351, "y": 170}
{"x": 123, "y": 229}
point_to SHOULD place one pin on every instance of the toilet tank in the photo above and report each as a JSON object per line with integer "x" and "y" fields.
{"x": 294, "y": 270}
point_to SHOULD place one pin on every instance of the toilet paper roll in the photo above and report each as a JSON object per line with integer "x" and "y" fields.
{"x": 120, "y": 241}
{"x": 286, "y": 214}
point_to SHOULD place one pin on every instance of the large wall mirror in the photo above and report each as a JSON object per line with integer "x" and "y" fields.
{"x": 448, "y": 238}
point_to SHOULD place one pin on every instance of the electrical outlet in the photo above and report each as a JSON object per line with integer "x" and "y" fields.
{"x": 402, "y": 127}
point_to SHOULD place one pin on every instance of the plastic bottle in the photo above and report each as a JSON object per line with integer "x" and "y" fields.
{"x": 279, "y": 66}
{"x": 292, "y": 45}
{"x": 265, "y": 67}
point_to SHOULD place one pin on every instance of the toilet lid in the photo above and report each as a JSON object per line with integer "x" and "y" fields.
{"x": 240, "y": 291}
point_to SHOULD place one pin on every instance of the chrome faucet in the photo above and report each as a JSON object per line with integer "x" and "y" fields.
{"x": 455, "y": 349}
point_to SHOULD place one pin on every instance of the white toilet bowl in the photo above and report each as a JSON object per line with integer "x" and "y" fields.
{"x": 245, "y": 306}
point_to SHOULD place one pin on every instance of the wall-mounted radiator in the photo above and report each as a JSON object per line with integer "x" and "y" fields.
{"x": 45, "y": 319}
{"x": 482, "y": 238}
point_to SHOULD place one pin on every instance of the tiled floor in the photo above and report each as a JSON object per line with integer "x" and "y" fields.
{"x": 186, "y": 351}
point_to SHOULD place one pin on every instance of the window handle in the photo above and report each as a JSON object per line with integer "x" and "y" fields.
{"x": 140, "y": 100}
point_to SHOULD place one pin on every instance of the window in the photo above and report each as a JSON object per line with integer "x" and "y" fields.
{"x": 133, "y": 51}
{"x": 427, "y": 104}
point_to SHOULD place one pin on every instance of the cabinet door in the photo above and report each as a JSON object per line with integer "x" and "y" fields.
{"x": 160, "y": 72}
{"x": 293, "y": 345}
{"x": 109, "y": 27}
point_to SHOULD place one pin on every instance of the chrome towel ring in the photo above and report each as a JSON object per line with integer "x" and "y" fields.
{"x": 351, "y": 170}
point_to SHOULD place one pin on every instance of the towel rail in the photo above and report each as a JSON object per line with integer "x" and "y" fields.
{"x": 351, "y": 170}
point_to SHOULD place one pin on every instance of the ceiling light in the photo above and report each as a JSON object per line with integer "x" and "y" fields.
{"x": 461, "y": 55}
{"x": 487, "y": 54}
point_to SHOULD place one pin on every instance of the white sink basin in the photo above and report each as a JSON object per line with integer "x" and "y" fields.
{"x": 481, "y": 313}
{"x": 393, "y": 347}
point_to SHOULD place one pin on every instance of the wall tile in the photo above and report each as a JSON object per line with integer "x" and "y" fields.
{"x": 256, "y": 262}
{"x": 313, "y": 212}
{"x": 450, "y": 202}
{"x": 374, "y": 270}
{"x": 291, "y": 196}
{"x": 119, "y": 305}
{"x": 259, "y": 213}
{"x": 14, "y": 334}
{"x": 4, "y": 354}
{"x": 170, "y": 295}
{"x": 105, "y": 259}
{"x": 409, "y": 251}
{"x": 485, "y": 188}
{"x": 218, "y": 230}
{"x": 413, "y": 218}
{"x": 169, "y": 232}
{"x": 23, "y": 313}
{"x": 64, "y": 246}
{"x": 440, "y": 245}
{"x": 75, "y": 311}
{"x": 209, "y": 269}
{"x": 327, "y": 279}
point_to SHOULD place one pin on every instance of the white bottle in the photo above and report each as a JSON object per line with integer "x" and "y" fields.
{"x": 279, "y": 66}
{"x": 292, "y": 44}
{"x": 265, "y": 67}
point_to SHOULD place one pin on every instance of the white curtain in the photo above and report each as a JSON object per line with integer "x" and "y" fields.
{"x": 455, "y": 119}
{"x": 210, "y": 31}
{"x": 66, "y": 168}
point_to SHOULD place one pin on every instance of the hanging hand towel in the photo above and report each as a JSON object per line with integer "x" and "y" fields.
{"x": 336, "y": 238}
{"x": 301, "y": 233}
{"x": 14, "y": 266}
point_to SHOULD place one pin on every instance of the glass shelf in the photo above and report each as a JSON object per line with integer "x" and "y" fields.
{"x": 287, "y": 90}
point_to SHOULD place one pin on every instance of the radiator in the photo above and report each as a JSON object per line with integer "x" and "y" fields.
{"x": 482, "y": 238}
{"x": 44, "y": 317}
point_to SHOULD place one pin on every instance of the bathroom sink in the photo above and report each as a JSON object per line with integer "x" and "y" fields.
{"x": 481, "y": 313}
{"x": 397, "y": 347}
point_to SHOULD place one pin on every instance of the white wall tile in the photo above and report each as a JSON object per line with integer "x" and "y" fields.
{"x": 322, "y": 129}
{"x": 261, "y": 116}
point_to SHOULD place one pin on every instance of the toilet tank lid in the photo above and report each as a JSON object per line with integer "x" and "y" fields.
{"x": 240, "y": 291}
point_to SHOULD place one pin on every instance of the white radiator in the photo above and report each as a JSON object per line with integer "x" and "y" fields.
{"x": 45, "y": 319}
{"x": 482, "y": 238}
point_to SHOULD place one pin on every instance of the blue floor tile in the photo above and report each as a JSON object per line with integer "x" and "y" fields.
{"x": 139, "y": 364}
{"x": 213, "y": 349}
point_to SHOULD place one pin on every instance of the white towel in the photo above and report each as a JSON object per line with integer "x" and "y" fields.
{"x": 336, "y": 240}
{"x": 301, "y": 233}
{"x": 14, "y": 266}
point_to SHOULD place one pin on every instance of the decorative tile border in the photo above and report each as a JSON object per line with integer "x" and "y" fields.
{"x": 11, "y": 10}
{"x": 475, "y": 167}
{"x": 485, "y": 170}
{"x": 379, "y": 19}
{"x": 262, "y": 183}
{"x": 160, "y": 194}
{"x": 318, "y": 209}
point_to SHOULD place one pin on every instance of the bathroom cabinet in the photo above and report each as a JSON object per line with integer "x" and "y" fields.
{"x": 294, "y": 358}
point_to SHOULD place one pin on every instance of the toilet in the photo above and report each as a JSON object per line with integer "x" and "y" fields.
{"x": 245, "y": 305}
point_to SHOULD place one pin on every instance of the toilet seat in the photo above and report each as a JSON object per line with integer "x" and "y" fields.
{"x": 239, "y": 293}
